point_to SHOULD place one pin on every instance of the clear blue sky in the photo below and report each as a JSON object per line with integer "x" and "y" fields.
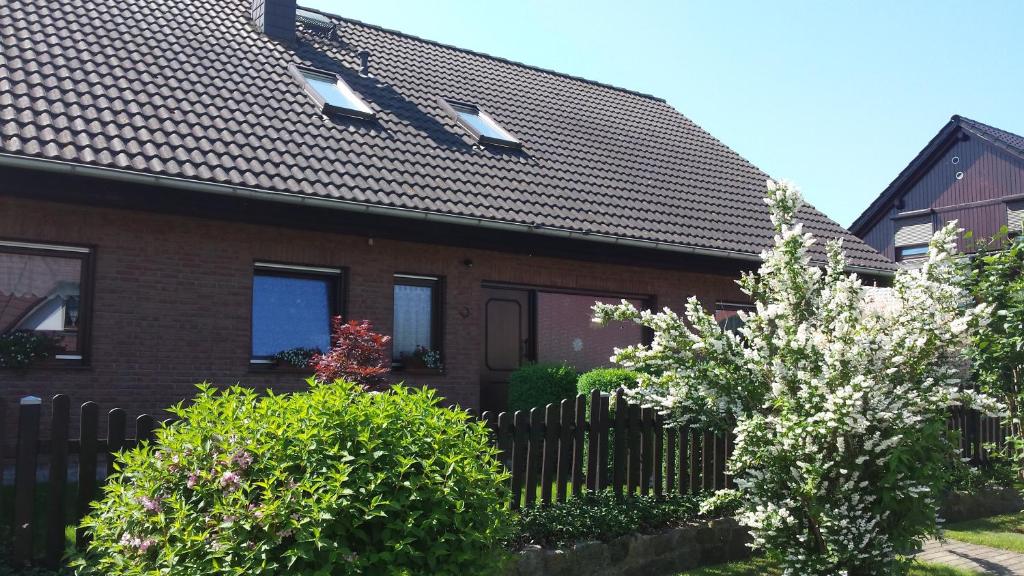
{"x": 837, "y": 96}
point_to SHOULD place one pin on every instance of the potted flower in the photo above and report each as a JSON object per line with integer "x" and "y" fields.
{"x": 422, "y": 359}
{"x": 21, "y": 348}
{"x": 299, "y": 358}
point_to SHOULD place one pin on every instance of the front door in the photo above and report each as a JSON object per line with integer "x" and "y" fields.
{"x": 506, "y": 345}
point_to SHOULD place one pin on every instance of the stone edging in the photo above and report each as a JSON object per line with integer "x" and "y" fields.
{"x": 661, "y": 553}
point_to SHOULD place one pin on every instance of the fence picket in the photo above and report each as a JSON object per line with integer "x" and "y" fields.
{"x": 707, "y": 457}
{"x": 719, "y": 461}
{"x": 635, "y": 440}
{"x": 694, "y": 463}
{"x": 578, "y": 435}
{"x": 566, "y": 420}
{"x": 550, "y": 460}
{"x": 592, "y": 439}
{"x": 520, "y": 447}
{"x": 27, "y": 457}
{"x": 3, "y": 442}
{"x": 533, "y": 457}
{"x": 604, "y": 449}
{"x": 619, "y": 467}
{"x": 145, "y": 427}
{"x": 60, "y": 417}
{"x": 87, "y": 439}
{"x": 659, "y": 456}
{"x": 646, "y": 449}
{"x": 670, "y": 464}
{"x": 505, "y": 438}
{"x": 116, "y": 424}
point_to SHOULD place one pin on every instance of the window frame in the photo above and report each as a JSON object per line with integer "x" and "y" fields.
{"x": 86, "y": 284}
{"x": 300, "y": 73}
{"x": 337, "y": 292}
{"x": 451, "y": 107}
{"x": 437, "y": 284}
{"x": 901, "y": 257}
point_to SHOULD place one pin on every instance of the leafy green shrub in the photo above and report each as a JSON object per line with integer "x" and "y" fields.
{"x": 606, "y": 380}
{"x": 535, "y": 385}
{"x": 600, "y": 516}
{"x": 330, "y": 481}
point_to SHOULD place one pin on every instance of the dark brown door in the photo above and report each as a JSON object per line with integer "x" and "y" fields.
{"x": 506, "y": 343}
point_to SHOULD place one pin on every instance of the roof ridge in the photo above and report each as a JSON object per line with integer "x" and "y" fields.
{"x": 486, "y": 55}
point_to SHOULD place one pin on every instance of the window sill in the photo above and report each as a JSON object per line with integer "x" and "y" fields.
{"x": 264, "y": 366}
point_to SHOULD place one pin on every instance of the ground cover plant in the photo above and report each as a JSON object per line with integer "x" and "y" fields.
{"x": 839, "y": 409}
{"x": 1005, "y": 532}
{"x": 331, "y": 481}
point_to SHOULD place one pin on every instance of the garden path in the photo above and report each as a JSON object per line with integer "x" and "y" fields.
{"x": 973, "y": 557}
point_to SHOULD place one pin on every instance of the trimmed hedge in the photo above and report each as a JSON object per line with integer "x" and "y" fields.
{"x": 331, "y": 481}
{"x": 534, "y": 385}
{"x": 606, "y": 380}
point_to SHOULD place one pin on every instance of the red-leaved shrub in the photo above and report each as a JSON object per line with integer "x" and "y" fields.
{"x": 357, "y": 354}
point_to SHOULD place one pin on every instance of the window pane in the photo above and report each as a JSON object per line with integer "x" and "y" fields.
{"x": 290, "y": 312}
{"x": 484, "y": 125}
{"x": 566, "y": 333}
{"x": 337, "y": 94}
{"x": 41, "y": 293}
{"x": 728, "y": 315}
{"x": 413, "y": 319}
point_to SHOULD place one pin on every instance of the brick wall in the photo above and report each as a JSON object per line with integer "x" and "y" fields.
{"x": 172, "y": 298}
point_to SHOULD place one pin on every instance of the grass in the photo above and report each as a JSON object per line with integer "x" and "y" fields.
{"x": 1004, "y": 532}
{"x": 764, "y": 567}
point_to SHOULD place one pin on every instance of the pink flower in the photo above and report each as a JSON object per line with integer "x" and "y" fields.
{"x": 230, "y": 481}
{"x": 193, "y": 479}
{"x": 242, "y": 459}
{"x": 151, "y": 505}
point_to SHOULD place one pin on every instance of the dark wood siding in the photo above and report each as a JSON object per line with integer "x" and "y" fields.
{"x": 990, "y": 175}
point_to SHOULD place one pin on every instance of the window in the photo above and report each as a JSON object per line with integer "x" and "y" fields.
{"x": 332, "y": 93}
{"x": 911, "y": 252}
{"x": 292, "y": 307}
{"x": 481, "y": 125}
{"x": 42, "y": 289}
{"x": 418, "y": 333}
{"x": 727, "y": 314}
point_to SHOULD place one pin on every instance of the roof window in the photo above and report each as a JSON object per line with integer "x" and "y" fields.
{"x": 332, "y": 93}
{"x": 480, "y": 124}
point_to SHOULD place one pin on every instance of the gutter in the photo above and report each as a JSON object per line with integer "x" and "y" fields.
{"x": 62, "y": 167}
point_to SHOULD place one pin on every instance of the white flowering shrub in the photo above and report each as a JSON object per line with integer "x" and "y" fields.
{"x": 839, "y": 410}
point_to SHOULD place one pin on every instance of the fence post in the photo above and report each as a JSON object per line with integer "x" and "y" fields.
{"x": 144, "y": 429}
{"x": 25, "y": 477}
{"x": 670, "y": 464}
{"x": 55, "y": 517}
{"x": 594, "y": 434}
{"x": 86, "y": 465}
{"x": 603, "y": 449}
{"x": 116, "y": 425}
{"x": 707, "y": 455}
{"x": 720, "y": 460}
{"x": 695, "y": 453}
{"x": 659, "y": 456}
{"x": 619, "y": 463}
{"x": 505, "y": 439}
{"x": 3, "y": 441}
{"x": 635, "y": 440}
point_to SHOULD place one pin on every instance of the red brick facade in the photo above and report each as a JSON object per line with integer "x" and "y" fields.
{"x": 172, "y": 298}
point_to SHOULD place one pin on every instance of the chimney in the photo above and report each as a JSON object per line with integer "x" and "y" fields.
{"x": 275, "y": 18}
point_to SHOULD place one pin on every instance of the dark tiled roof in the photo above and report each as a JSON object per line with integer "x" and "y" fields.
{"x": 190, "y": 89}
{"x": 1009, "y": 139}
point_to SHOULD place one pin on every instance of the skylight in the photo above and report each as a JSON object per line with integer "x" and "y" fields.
{"x": 333, "y": 94}
{"x": 481, "y": 125}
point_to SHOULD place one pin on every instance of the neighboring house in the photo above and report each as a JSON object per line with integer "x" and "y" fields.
{"x": 188, "y": 188}
{"x": 969, "y": 172}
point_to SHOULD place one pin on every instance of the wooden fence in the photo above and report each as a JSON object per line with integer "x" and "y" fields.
{"x": 555, "y": 451}
{"x": 592, "y": 443}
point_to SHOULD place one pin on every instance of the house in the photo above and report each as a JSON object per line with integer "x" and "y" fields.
{"x": 189, "y": 188}
{"x": 969, "y": 172}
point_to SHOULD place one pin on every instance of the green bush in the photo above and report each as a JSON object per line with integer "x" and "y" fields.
{"x": 606, "y": 380}
{"x": 535, "y": 385}
{"x": 330, "y": 481}
{"x": 600, "y": 516}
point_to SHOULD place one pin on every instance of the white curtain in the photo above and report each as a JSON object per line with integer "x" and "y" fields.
{"x": 412, "y": 319}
